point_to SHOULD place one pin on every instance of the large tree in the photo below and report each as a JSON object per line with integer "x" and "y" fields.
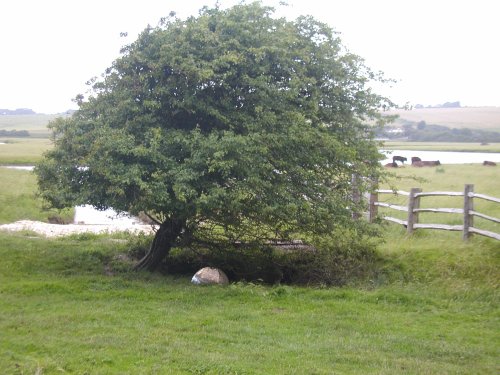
{"x": 229, "y": 127}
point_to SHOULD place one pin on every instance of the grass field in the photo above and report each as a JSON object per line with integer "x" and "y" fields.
{"x": 22, "y": 151}
{"x": 486, "y": 118}
{"x": 441, "y": 146}
{"x": 71, "y": 305}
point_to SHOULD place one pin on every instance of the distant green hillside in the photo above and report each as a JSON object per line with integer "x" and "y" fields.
{"x": 36, "y": 124}
{"x": 485, "y": 118}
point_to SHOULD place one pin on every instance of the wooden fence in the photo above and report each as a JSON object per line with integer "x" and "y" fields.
{"x": 413, "y": 209}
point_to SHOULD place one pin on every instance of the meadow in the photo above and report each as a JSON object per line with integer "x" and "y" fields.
{"x": 429, "y": 305}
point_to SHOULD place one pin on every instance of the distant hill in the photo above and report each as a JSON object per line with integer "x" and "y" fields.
{"x": 34, "y": 124}
{"x": 28, "y": 111}
{"x": 19, "y": 111}
{"x": 485, "y": 118}
{"x": 444, "y": 124}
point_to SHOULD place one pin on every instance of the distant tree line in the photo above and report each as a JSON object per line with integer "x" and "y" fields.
{"x": 14, "y": 133}
{"x": 444, "y": 105}
{"x": 422, "y": 132}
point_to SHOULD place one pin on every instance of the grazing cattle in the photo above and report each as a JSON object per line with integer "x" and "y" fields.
{"x": 396, "y": 158}
{"x": 391, "y": 165}
{"x": 415, "y": 159}
{"x": 489, "y": 163}
{"x": 424, "y": 163}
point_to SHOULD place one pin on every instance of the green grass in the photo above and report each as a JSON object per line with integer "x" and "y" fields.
{"x": 68, "y": 305}
{"x": 18, "y": 200}
{"x": 22, "y": 151}
{"x": 441, "y": 146}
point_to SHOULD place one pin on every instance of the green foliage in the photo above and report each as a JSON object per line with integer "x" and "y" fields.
{"x": 344, "y": 257}
{"x": 234, "y": 125}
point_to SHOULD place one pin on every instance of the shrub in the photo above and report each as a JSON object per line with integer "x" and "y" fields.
{"x": 338, "y": 259}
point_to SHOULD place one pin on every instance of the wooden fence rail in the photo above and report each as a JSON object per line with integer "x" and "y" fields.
{"x": 413, "y": 209}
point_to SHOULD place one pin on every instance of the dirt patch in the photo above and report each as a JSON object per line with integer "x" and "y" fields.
{"x": 57, "y": 230}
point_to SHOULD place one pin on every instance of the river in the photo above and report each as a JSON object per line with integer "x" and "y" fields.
{"x": 445, "y": 157}
{"x": 89, "y": 215}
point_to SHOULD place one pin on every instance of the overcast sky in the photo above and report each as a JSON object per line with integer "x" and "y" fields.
{"x": 438, "y": 50}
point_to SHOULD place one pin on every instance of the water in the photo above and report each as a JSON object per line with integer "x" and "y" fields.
{"x": 21, "y": 167}
{"x": 445, "y": 157}
{"x": 89, "y": 215}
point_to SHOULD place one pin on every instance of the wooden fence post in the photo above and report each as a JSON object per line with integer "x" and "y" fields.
{"x": 413, "y": 203}
{"x": 468, "y": 206}
{"x": 373, "y": 209}
{"x": 356, "y": 196}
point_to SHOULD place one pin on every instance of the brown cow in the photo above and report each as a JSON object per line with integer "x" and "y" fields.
{"x": 489, "y": 163}
{"x": 429, "y": 163}
{"x": 415, "y": 159}
{"x": 391, "y": 165}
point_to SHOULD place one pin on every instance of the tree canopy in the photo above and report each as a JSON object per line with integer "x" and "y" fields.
{"x": 230, "y": 126}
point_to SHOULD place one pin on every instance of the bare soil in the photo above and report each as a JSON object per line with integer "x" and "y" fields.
{"x": 56, "y": 230}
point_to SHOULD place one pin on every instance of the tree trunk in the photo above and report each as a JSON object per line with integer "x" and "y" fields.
{"x": 166, "y": 235}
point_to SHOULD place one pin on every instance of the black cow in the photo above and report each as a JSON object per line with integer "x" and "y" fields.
{"x": 396, "y": 158}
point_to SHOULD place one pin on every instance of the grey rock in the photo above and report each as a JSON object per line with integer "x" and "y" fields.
{"x": 210, "y": 276}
